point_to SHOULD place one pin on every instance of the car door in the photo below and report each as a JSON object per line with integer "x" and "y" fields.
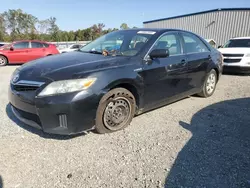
{"x": 38, "y": 50}
{"x": 18, "y": 52}
{"x": 198, "y": 57}
{"x": 165, "y": 79}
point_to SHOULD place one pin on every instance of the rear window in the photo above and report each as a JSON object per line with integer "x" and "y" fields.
{"x": 238, "y": 43}
{"x": 36, "y": 45}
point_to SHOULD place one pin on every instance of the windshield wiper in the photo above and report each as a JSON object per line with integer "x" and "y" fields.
{"x": 94, "y": 52}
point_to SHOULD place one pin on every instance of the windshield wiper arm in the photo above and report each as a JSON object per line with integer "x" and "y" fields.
{"x": 94, "y": 52}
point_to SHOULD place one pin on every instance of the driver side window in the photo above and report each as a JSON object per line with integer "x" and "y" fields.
{"x": 169, "y": 42}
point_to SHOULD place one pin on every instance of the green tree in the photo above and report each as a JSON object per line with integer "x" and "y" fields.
{"x": 43, "y": 26}
{"x": 16, "y": 24}
{"x": 71, "y": 35}
{"x": 20, "y": 24}
{"x": 53, "y": 29}
{"x": 87, "y": 34}
{"x": 2, "y": 28}
{"x": 124, "y": 26}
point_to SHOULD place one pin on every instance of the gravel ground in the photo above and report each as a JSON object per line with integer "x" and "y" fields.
{"x": 195, "y": 142}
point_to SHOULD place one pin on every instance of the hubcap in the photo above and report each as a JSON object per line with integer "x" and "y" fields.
{"x": 211, "y": 82}
{"x": 117, "y": 113}
{"x": 2, "y": 61}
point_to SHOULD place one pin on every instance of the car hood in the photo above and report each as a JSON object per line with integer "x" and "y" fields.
{"x": 69, "y": 65}
{"x": 234, "y": 50}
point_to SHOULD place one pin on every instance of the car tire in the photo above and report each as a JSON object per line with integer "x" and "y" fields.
{"x": 115, "y": 111}
{"x": 3, "y": 61}
{"x": 209, "y": 85}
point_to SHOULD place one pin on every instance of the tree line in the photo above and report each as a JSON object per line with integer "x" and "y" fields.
{"x": 19, "y": 25}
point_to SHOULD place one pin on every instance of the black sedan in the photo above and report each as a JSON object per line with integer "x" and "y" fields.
{"x": 106, "y": 83}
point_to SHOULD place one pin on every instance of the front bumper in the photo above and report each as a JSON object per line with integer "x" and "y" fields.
{"x": 236, "y": 69}
{"x": 65, "y": 114}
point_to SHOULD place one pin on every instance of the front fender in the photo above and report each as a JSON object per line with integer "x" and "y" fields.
{"x": 109, "y": 79}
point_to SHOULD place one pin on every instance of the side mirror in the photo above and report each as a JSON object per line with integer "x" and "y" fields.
{"x": 159, "y": 53}
{"x": 11, "y": 48}
{"x": 220, "y": 46}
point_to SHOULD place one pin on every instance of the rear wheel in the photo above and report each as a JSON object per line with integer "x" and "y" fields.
{"x": 209, "y": 84}
{"x": 3, "y": 61}
{"x": 116, "y": 110}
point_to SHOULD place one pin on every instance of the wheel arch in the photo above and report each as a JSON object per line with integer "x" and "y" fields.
{"x": 5, "y": 57}
{"x": 217, "y": 73}
{"x": 216, "y": 68}
{"x": 130, "y": 86}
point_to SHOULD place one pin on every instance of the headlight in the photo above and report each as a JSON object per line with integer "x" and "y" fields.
{"x": 247, "y": 55}
{"x": 14, "y": 74}
{"x": 66, "y": 86}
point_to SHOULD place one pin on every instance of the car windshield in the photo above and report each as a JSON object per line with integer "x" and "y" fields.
{"x": 121, "y": 43}
{"x": 6, "y": 46}
{"x": 238, "y": 43}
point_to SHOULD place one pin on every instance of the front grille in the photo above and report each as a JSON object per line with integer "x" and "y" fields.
{"x": 29, "y": 116}
{"x": 232, "y": 60}
{"x": 26, "y": 85}
{"x": 25, "y": 88}
{"x": 233, "y": 55}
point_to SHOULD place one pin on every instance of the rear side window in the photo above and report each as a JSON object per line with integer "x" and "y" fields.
{"x": 169, "y": 41}
{"x": 36, "y": 45}
{"x": 46, "y": 45}
{"x": 20, "y": 45}
{"x": 193, "y": 44}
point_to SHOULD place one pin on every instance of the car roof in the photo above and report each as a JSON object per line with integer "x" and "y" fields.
{"x": 156, "y": 29}
{"x": 29, "y": 41}
{"x": 160, "y": 30}
{"x": 240, "y": 38}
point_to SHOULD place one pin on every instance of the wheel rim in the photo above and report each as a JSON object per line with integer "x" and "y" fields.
{"x": 117, "y": 113}
{"x": 2, "y": 61}
{"x": 211, "y": 82}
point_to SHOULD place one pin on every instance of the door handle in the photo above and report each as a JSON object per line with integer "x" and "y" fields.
{"x": 209, "y": 57}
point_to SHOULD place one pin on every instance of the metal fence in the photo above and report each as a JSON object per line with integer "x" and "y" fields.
{"x": 61, "y": 45}
{"x": 66, "y": 44}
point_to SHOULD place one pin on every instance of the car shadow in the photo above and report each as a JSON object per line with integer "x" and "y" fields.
{"x": 218, "y": 153}
{"x": 235, "y": 74}
{"x": 1, "y": 182}
{"x": 37, "y": 131}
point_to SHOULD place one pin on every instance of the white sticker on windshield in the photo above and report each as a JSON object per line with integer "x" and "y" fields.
{"x": 146, "y": 32}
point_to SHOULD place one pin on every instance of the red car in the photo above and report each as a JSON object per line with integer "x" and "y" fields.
{"x": 26, "y": 50}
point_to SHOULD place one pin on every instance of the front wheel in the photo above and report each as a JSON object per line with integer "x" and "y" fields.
{"x": 3, "y": 61}
{"x": 115, "y": 111}
{"x": 209, "y": 84}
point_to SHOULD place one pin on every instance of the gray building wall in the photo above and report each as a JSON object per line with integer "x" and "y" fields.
{"x": 219, "y": 25}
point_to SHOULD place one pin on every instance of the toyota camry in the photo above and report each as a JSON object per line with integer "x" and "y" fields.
{"x": 104, "y": 84}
